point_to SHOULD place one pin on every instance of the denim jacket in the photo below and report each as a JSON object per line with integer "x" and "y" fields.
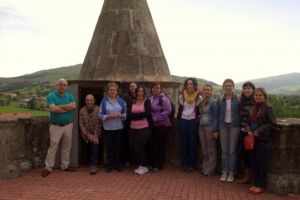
{"x": 235, "y": 110}
{"x": 212, "y": 111}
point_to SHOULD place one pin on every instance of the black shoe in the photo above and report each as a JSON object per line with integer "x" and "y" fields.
{"x": 108, "y": 169}
{"x": 203, "y": 174}
{"x": 69, "y": 169}
{"x": 118, "y": 169}
{"x": 46, "y": 173}
{"x": 191, "y": 169}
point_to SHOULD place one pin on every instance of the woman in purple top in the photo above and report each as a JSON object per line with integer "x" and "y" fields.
{"x": 160, "y": 110}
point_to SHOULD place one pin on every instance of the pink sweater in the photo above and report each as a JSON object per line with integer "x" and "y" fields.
{"x": 138, "y": 124}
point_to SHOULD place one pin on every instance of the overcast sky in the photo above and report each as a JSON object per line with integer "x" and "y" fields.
{"x": 214, "y": 40}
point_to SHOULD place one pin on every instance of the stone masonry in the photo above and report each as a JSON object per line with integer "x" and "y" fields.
{"x": 24, "y": 144}
{"x": 125, "y": 45}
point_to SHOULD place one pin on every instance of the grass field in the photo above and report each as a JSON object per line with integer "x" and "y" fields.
{"x": 13, "y": 108}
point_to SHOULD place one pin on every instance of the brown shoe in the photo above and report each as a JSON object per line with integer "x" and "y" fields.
{"x": 46, "y": 173}
{"x": 69, "y": 169}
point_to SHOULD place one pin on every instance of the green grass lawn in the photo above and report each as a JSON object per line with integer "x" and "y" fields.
{"x": 13, "y": 108}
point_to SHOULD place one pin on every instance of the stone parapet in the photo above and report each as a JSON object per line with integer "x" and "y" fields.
{"x": 24, "y": 143}
{"x": 284, "y": 159}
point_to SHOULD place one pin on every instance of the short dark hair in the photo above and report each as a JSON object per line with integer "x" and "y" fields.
{"x": 154, "y": 85}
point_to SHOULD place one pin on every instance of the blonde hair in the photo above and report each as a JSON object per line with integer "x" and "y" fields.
{"x": 112, "y": 84}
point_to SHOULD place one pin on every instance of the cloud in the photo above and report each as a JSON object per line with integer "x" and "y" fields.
{"x": 208, "y": 39}
{"x": 13, "y": 21}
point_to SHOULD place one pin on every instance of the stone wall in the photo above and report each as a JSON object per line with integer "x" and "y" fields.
{"x": 284, "y": 160}
{"x": 24, "y": 144}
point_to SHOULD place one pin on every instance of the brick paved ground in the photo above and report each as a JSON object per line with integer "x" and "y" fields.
{"x": 168, "y": 184}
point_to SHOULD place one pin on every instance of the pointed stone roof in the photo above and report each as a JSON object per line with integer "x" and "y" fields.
{"x": 125, "y": 45}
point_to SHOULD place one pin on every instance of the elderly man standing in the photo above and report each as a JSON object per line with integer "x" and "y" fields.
{"x": 90, "y": 128}
{"x": 61, "y": 105}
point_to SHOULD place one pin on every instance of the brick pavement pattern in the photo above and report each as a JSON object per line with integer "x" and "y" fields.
{"x": 168, "y": 184}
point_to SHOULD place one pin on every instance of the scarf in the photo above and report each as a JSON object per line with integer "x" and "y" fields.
{"x": 189, "y": 98}
{"x": 255, "y": 113}
{"x": 246, "y": 113}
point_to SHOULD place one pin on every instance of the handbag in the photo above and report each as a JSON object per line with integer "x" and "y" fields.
{"x": 249, "y": 142}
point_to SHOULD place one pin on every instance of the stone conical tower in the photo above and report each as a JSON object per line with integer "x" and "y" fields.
{"x": 125, "y": 45}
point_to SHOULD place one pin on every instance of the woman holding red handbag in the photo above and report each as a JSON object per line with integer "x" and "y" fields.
{"x": 263, "y": 121}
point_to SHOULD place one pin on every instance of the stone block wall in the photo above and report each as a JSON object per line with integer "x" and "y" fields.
{"x": 24, "y": 143}
{"x": 284, "y": 159}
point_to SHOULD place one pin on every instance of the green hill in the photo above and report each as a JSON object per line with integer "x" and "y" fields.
{"x": 286, "y": 84}
{"x": 43, "y": 81}
{"x": 200, "y": 81}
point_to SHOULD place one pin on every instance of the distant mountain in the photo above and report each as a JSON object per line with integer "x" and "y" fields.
{"x": 43, "y": 81}
{"x": 47, "y": 78}
{"x": 286, "y": 84}
{"x": 200, "y": 81}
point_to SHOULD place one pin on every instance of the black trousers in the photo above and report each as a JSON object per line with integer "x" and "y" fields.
{"x": 258, "y": 158}
{"x": 244, "y": 154}
{"x": 157, "y": 146}
{"x": 138, "y": 138}
{"x": 113, "y": 142}
{"x": 125, "y": 153}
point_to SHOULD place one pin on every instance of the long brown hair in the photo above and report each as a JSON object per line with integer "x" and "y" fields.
{"x": 136, "y": 93}
{"x": 194, "y": 81}
{"x": 263, "y": 91}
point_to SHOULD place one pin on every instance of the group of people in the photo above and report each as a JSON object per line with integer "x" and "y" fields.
{"x": 230, "y": 119}
{"x": 144, "y": 121}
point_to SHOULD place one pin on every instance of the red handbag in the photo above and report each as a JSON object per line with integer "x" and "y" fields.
{"x": 249, "y": 142}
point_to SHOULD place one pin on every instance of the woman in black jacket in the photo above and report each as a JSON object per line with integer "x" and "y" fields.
{"x": 263, "y": 120}
{"x": 139, "y": 115}
{"x": 246, "y": 108}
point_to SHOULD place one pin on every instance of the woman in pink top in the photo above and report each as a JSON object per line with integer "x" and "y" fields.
{"x": 139, "y": 114}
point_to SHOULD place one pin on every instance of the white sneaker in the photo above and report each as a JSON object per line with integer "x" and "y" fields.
{"x": 141, "y": 170}
{"x": 145, "y": 169}
{"x": 223, "y": 176}
{"x": 138, "y": 170}
{"x": 230, "y": 177}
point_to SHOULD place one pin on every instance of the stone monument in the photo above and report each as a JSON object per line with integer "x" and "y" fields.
{"x": 125, "y": 47}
